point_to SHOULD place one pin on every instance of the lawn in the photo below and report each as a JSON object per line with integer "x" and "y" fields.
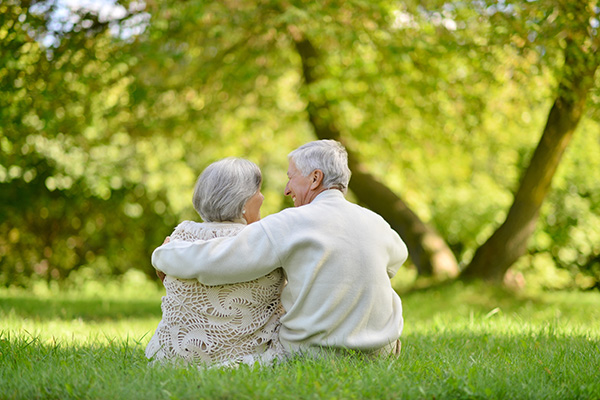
{"x": 460, "y": 341}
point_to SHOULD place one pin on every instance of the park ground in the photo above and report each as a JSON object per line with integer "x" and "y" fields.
{"x": 460, "y": 341}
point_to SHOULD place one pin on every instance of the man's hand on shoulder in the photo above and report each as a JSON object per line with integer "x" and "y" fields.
{"x": 161, "y": 274}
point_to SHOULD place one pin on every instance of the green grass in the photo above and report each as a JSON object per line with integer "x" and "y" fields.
{"x": 460, "y": 341}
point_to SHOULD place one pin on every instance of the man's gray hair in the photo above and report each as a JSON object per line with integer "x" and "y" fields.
{"x": 327, "y": 155}
{"x": 224, "y": 187}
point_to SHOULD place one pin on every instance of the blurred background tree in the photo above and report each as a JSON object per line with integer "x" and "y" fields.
{"x": 109, "y": 110}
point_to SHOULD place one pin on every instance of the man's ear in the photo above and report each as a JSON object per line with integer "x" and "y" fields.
{"x": 316, "y": 178}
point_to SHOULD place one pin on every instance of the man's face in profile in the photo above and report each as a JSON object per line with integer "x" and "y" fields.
{"x": 298, "y": 186}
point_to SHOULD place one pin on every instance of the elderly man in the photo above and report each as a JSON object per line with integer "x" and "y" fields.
{"x": 337, "y": 256}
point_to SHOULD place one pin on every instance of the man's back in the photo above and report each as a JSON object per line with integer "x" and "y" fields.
{"x": 338, "y": 258}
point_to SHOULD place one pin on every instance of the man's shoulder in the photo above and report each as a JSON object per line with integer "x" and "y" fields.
{"x": 282, "y": 216}
{"x": 290, "y": 218}
{"x": 369, "y": 215}
{"x": 332, "y": 207}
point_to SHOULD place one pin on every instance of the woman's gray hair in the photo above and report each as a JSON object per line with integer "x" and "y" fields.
{"x": 327, "y": 155}
{"x": 224, "y": 187}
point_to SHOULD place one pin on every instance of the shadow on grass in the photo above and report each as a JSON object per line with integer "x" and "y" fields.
{"x": 462, "y": 299}
{"x": 84, "y": 309}
{"x": 455, "y": 299}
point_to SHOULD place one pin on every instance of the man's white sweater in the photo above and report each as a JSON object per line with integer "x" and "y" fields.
{"x": 338, "y": 258}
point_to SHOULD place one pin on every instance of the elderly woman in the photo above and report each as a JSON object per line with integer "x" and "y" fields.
{"x": 224, "y": 324}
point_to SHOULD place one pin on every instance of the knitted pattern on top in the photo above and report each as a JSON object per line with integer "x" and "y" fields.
{"x": 224, "y": 324}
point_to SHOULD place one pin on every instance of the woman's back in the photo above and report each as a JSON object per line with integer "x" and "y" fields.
{"x": 218, "y": 324}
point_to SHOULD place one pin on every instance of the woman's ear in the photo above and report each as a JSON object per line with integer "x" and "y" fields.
{"x": 316, "y": 178}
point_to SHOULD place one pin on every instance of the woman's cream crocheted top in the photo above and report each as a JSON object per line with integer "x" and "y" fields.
{"x": 225, "y": 324}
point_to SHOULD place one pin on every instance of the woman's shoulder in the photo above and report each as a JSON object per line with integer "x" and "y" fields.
{"x": 192, "y": 230}
{"x": 292, "y": 218}
{"x": 188, "y": 225}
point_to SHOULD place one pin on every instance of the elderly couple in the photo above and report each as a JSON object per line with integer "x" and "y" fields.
{"x": 311, "y": 280}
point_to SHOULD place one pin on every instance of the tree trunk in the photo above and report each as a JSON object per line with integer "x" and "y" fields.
{"x": 427, "y": 249}
{"x": 509, "y": 241}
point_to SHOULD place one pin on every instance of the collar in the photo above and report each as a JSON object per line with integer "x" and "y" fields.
{"x": 328, "y": 194}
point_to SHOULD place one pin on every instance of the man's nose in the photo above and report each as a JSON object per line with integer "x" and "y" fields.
{"x": 287, "y": 191}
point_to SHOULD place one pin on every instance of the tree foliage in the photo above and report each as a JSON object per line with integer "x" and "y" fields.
{"x": 107, "y": 120}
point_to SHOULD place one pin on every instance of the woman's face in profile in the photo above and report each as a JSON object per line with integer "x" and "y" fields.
{"x": 252, "y": 207}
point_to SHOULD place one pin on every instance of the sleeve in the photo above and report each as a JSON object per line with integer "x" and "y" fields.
{"x": 241, "y": 258}
{"x": 398, "y": 254}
